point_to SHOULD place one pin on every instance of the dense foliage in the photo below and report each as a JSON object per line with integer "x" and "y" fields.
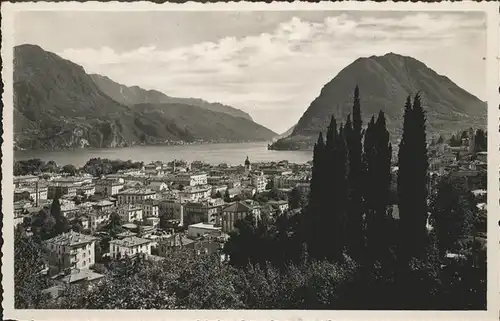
{"x": 104, "y": 166}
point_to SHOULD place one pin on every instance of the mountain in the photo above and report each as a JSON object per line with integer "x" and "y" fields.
{"x": 384, "y": 83}
{"x": 137, "y": 95}
{"x": 287, "y": 133}
{"x": 57, "y": 106}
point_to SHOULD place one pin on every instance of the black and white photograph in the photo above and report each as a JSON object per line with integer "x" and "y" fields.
{"x": 270, "y": 158}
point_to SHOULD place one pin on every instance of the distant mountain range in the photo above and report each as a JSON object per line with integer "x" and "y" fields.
{"x": 384, "y": 83}
{"x": 137, "y": 95}
{"x": 57, "y": 105}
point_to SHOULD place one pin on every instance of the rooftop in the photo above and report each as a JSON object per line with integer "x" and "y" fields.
{"x": 80, "y": 275}
{"x": 238, "y": 207}
{"x": 103, "y": 203}
{"x": 130, "y": 241}
{"x": 137, "y": 191}
{"x": 71, "y": 238}
{"x": 204, "y": 226}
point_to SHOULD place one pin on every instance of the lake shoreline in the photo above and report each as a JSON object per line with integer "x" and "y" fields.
{"x": 211, "y": 153}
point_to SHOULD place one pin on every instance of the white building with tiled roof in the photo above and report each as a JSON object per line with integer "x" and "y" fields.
{"x": 71, "y": 250}
{"x": 129, "y": 246}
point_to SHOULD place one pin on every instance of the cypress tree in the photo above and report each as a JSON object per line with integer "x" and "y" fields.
{"x": 314, "y": 207}
{"x": 380, "y": 180}
{"x": 61, "y": 223}
{"x": 382, "y": 163}
{"x": 355, "y": 211}
{"x": 370, "y": 186}
{"x": 329, "y": 198}
{"x": 341, "y": 194}
{"x": 412, "y": 181}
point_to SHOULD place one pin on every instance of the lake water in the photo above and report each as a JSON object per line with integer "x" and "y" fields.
{"x": 232, "y": 154}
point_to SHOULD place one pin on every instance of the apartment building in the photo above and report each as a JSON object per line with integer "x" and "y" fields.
{"x": 70, "y": 250}
{"x": 135, "y": 196}
{"x": 129, "y": 246}
{"x": 130, "y": 213}
{"x": 192, "y": 179}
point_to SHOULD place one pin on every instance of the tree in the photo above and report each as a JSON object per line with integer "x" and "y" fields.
{"x": 314, "y": 206}
{"x": 61, "y": 223}
{"x": 296, "y": 199}
{"x": 480, "y": 141}
{"x": 114, "y": 226}
{"x": 464, "y": 135}
{"x": 77, "y": 226}
{"x": 377, "y": 159}
{"x": 43, "y": 225}
{"x": 69, "y": 169}
{"x": 454, "y": 141}
{"x": 218, "y": 194}
{"x": 50, "y": 166}
{"x": 245, "y": 243}
{"x": 412, "y": 181}
{"x": 270, "y": 184}
{"x": 28, "y": 263}
{"x": 227, "y": 197}
{"x": 453, "y": 215}
{"x": 355, "y": 176}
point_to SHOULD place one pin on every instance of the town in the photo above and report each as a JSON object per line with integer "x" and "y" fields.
{"x": 156, "y": 208}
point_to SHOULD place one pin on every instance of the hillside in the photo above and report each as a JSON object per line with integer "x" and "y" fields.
{"x": 203, "y": 124}
{"x": 58, "y": 106}
{"x": 287, "y": 133}
{"x": 385, "y": 82}
{"x": 137, "y": 95}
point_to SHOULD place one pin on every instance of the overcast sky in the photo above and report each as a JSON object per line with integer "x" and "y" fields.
{"x": 269, "y": 64}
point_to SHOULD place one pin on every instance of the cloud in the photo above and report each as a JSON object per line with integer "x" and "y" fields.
{"x": 284, "y": 68}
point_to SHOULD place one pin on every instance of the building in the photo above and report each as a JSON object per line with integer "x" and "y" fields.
{"x": 196, "y": 165}
{"x": 194, "y": 194}
{"x": 176, "y": 241}
{"x": 192, "y": 179}
{"x": 172, "y": 209}
{"x": 130, "y": 212}
{"x": 70, "y": 250}
{"x": 25, "y": 179}
{"x": 97, "y": 218}
{"x": 259, "y": 182}
{"x": 150, "y": 208}
{"x": 215, "y": 180}
{"x": 135, "y": 196}
{"x": 280, "y": 206}
{"x": 304, "y": 188}
{"x": 154, "y": 169}
{"x": 129, "y": 246}
{"x": 203, "y": 229}
{"x": 204, "y": 211}
{"x": 221, "y": 189}
{"x": 86, "y": 189}
{"x": 152, "y": 221}
{"x": 158, "y": 186}
{"x": 237, "y": 211}
{"x": 61, "y": 189}
{"x": 103, "y": 205}
{"x": 110, "y": 187}
{"x": 290, "y": 181}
